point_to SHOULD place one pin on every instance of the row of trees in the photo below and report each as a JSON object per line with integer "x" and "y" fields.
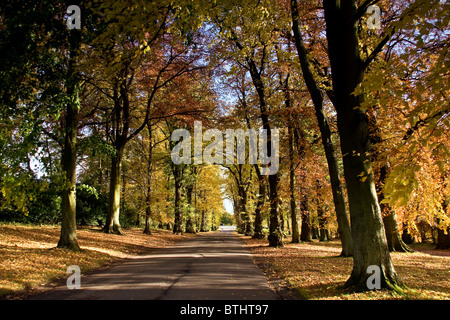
{"x": 362, "y": 115}
{"x": 340, "y": 61}
{"x": 86, "y": 94}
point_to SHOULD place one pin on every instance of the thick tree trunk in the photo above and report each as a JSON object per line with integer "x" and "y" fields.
{"x": 369, "y": 238}
{"x": 393, "y": 234}
{"x": 391, "y": 228}
{"x": 120, "y": 123}
{"x": 244, "y": 215}
{"x": 317, "y": 98}
{"x": 190, "y": 225}
{"x": 68, "y": 236}
{"x": 112, "y": 224}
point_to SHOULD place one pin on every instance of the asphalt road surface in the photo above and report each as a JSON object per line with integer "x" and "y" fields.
{"x": 212, "y": 266}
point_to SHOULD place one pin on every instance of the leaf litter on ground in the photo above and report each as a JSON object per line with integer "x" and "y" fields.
{"x": 30, "y": 261}
{"x": 316, "y": 271}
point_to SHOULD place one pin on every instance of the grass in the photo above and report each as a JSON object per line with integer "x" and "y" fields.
{"x": 316, "y": 271}
{"x": 29, "y": 259}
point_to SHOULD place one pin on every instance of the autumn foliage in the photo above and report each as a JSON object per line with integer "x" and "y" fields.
{"x": 87, "y": 116}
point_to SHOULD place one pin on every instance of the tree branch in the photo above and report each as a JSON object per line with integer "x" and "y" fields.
{"x": 422, "y": 122}
{"x": 390, "y": 32}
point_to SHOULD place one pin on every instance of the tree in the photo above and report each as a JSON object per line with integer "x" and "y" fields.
{"x": 241, "y": 89}
{"x": 291, "y": 150}
{"x": 318, "y": 101}
{"x": 55, "y": 64}
{"x": 347, "y": 66}
{"x": 253, "y": 54}
{"x": 68, "y": 237}
{"x": 411, "y": 113}
{"x": 381, "y": 169}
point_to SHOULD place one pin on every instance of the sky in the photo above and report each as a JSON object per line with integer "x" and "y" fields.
{"x": 228, "y": 205}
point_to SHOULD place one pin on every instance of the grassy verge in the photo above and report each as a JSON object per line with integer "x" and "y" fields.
{"x": 315, "y": 271}
{"x": 30, "y": 260}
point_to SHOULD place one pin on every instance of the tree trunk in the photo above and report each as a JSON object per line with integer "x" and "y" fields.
{"x": 148, "y": 198}
{"x": 258, "y": 228}
{"x": 112, "y": 224}
{"x": 189, "y": 221}
{"x": 68, "y": 236}
{"x": 236, "y": 210}
{"x": 148, "y": 212}
{"x": 294, "y": 222}
{"x": 275, "y": 236}
{"x": 323, "y": 231}
{"x": 178, "y": 221}
{"x": 190, "y": 225}
{"x": 246, "y": 226}
{"x": 330, "y": 154}
{"x": 258, "y": 232}
{"x": 369, "y": 239}
{"x": 293, "y": 206}
{"x": 305, "y": 235}
{"x": 393, "y": 234}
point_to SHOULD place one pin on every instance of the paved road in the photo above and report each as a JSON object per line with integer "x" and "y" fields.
{"x": 213, "y": 266}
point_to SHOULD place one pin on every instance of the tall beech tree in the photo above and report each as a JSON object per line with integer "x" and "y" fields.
{"x": 318, "y": 102}
{"x": 68, "y": 238}
{"x": 348, "y": 67}
{"x": 46, "y": 62}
